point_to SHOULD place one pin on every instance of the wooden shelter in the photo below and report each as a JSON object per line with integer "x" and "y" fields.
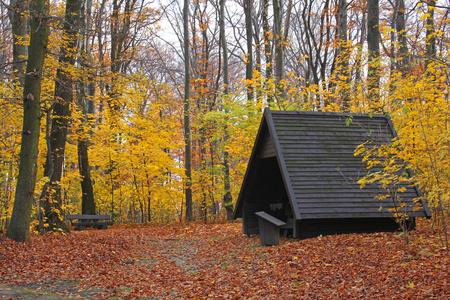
{"x": 303, "y": 171}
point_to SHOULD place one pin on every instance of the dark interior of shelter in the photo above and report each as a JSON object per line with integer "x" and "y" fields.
{"x": 266, "y": 193}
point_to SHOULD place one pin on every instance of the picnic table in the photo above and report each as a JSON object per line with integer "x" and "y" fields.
{"x": 80, "y": 221}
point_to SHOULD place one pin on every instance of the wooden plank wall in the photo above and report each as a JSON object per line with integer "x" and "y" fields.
{"x": 317, "y": 227}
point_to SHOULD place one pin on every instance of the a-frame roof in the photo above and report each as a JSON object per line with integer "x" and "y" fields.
{"x": 315, "y": 156}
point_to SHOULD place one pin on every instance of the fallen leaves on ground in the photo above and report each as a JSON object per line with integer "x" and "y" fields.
{"x": 215, "y": 261}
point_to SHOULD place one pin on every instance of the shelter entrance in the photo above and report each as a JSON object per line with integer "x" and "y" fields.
{"x": 268, "y": 194}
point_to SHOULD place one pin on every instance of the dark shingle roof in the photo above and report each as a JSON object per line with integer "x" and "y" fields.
{"x": 315, "y": 154}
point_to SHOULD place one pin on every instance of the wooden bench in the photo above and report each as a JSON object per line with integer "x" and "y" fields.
{"x": 269, "y": 229}
{"x": 97, "y": 221}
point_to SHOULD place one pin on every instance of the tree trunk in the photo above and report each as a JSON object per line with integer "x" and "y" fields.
{"x": 431, "y": 35}
{"x": 17, "y": 17}
{"x": 187, "y": 109}
{"x": 19, "y": 228}
{"x": 227, "y": 198}
{"x": 149, "y": 197}
{"x": 373, "y": 43}
{"x": 392, "y": 55}
{"x": 279, "y": 47}
{"x": 258, "y": 63}
{"x": 357, "y": 67}
{"x": 88, "y": 109}
{"x": 202, "y": 109}
{"x": 87, "y": 196}
{"x": 267, "y": 46}
{"x": 248, "y": 5}
{"x": 64, "y": 86}
{"x": 403, "y": 62}
{"x": 343, "y": 55}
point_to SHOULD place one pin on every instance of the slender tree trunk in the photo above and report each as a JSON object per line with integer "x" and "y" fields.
{"x": 49, "y": 166}
{"x": 141, "y": 206}
{"x": 403, "y": 62}
{"x": 202, "y": 179}
{"x": 248, "y": 6}
{"x": 149, "y": 197}
{"x": 258, "y": 63}
{"x": 203, "y": 108}
{"x": 212, "y": 187}
{"x": 19, "y": 228}
{"x": 64, "y": 87}
{"x": 343, "y": 55}
{"x": 87, "y": 196}
{"x": 357, "y": 67}
{"x": 17, "y": 17}
{"x": 88, "y": 109}
{"x": 149, "y": 207}
{"x": 101, "y": 55}
{"x": 287, "y": 23}
{"x": 267, "y": 46}
{"x": 392, "y": 55}
{"x": 120, "y": 30}
{"x": 87, "y": 190}
{"x": 431, "y": 35}
{"x": 279, "y": 47}
{"x": 227, "y": 198}
{"x": 187, "y": 109}
{"x": 373, "y": 42}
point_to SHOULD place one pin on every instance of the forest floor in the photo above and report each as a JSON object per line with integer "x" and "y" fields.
{"x": 216, "y": 261}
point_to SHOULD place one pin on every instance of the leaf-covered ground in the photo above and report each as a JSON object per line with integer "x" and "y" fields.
{"x": 216, "y": 261}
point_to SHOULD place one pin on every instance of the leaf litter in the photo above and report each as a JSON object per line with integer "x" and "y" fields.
{"x": 216, "y": 261}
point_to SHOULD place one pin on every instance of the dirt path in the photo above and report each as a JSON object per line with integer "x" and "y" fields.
{"x": 183, "y": 257}
{"x": 181, "y": 252}
{"x": 57, "y": 291}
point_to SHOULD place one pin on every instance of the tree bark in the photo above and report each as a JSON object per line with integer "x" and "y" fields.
{"x": 343, "y": 55}
{"x": 430, "y": 35}
{"x": 400, "y": 27}
{"x": 279, "y": 47}
{"x": 373, "y": 43}
{"x": 88, "y": 109}
{"x": 120, "y": 29}
{"x": 17, "y": 17}
{"x": 248, "y": 5}
{"x": 267, "y": 46}
{"x": 187, "y": 108}
{"x": 357, "y": 67}
{"x": 64, "y": 87}
{"x": 87, "y": 197}
{"x": 227, "y": 197}
{"x": 19, "y": 228}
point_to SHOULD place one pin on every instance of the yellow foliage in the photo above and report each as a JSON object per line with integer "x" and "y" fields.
{"x": 136, "y": 142}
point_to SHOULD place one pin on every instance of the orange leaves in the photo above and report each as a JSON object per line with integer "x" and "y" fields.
{"x": 216, "y": 261}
